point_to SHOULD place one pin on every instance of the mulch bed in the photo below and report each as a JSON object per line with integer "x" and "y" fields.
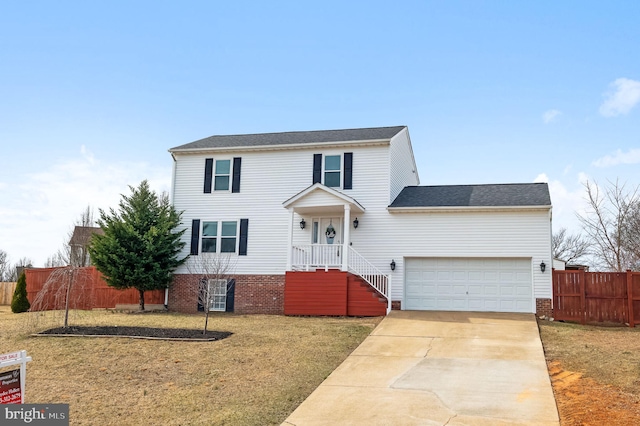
{"x": 137, "y": 332}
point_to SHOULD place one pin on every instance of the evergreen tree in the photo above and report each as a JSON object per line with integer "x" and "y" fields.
{"x": 19, "y": 302}
{"x": 139, "y": 248}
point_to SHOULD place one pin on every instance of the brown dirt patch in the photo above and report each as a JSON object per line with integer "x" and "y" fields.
{"x": 583, "y": 401}
{"x": 595, "y": 373}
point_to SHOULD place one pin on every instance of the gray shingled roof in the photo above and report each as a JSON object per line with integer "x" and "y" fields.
{"x": 292, "y": 138}
{"x": 501, "y": 195}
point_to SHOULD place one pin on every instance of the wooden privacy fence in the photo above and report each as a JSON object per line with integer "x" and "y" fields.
{"x": 6, "y": 292}
{"x": 597, "y": 296}
{"x": 88, "y": 291}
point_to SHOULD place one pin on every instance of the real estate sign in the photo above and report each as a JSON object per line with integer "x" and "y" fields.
{"x": 12, "y": 381}
{"x": 10, "y": 390}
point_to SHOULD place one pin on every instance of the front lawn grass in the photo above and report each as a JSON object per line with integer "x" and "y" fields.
{"x": 257, "y": 376}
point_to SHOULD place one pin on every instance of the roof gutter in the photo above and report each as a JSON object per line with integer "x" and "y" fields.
{"x": 278, "y": 147}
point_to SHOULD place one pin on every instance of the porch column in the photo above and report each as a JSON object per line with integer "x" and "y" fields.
{"x": 290, "y": 241}
{"x": 347, "y": 237}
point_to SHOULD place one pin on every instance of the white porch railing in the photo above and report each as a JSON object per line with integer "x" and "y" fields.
{"x": 307, "y": 257}
{"x": 316, "y": 256}
{"x": 374, "y": 276}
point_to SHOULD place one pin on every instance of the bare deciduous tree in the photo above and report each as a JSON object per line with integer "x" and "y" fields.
{"x": 5, "y": 266}
{"x": 606, "y": 221}
{"x": 569, "y": 248}
{"x": 23, "y": 262}
{"x": 631, "y": 232}
{"x": 55, "y": 260}
{"x": 213, "y": 272}
{"x": 66, "y": 288}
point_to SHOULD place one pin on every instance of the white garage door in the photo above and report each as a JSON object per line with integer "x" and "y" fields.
{"x": 468, "y": 284}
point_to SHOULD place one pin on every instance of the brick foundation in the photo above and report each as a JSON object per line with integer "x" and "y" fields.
{"x": 253, "y": 294}
{"x": 259, "y": 294}
{"x": 396, "y": 305}
{"x": 544, "y": 307}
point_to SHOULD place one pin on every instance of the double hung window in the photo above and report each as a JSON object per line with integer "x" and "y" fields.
{"x": 222, "y": 174}
{"x": 219, "y": 237}
{"x": 332, "y": 170}
{"x": 217, "y": 295}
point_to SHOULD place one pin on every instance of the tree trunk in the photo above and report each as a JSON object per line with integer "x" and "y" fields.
{"x": 206, "y": 320}
{"x": 141, "y": 299}
{"x": 66, "y": 302}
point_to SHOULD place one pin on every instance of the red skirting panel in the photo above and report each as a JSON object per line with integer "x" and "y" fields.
{"x": 332, "y": 293}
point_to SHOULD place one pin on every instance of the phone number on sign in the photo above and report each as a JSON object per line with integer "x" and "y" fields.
{"x": 11, "y": 398}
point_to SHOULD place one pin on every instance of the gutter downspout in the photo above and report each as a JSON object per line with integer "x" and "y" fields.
{"x": 171, "y": 199}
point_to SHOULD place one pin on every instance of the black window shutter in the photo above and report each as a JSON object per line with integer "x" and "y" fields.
{"x": 235, "y": 184}
{"x": 348, "y": 171}
{"x": 195, "y": 236}
{"x": 231, "y": 290}
{"x": 244, "y": 228}
{"x": 208, "y": 173}
{"x": 317, "y": 168}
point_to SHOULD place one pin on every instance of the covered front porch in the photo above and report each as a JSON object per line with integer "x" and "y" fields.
{"x": 321, "y": 220}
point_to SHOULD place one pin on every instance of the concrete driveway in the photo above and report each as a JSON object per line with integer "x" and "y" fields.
{"x": 439, "y": 368}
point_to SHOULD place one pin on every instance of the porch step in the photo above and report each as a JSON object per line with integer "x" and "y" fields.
{"x": 364, "y": 300}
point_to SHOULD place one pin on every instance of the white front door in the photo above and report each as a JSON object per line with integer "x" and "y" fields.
{"x": 326, "y": 237}
{"x": 320, "y": 227}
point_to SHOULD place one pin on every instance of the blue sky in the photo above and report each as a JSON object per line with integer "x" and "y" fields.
{"x": 93, "y": 94}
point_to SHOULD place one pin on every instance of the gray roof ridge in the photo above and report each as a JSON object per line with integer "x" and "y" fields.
{"x": 478, "y": 184}
{"x": 306, "y": 137}
{"x": 302, "y": 131}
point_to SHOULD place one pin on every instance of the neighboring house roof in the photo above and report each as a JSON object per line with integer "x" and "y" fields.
{"x": 479, "y": 196}
{"x": 291, "y": 138}
{"x": 576, "y": 267}
{"x": 82, "y": 235}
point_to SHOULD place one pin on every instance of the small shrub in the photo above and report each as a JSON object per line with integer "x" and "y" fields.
{"x": 20, "y": 303}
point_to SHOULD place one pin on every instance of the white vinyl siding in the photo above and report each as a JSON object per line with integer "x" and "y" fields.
{"x": 264, "y": 190}
{"x": 488, "y": 234}
{"x": 402, "y": 165}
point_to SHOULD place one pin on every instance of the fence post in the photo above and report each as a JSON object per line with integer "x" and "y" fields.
{"x": 583, "y": 296}
{"x": 630, "y": 298}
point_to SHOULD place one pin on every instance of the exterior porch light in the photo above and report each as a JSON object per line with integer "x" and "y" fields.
{"x": 393, "y": 265}
{"x": 302, "y": 224}
{"x": 355, "y": 222}
{"x": 542, "y": 266}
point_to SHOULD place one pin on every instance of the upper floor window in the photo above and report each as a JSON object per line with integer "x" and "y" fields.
{"x": 332, "y": 170}
{"x": 335, "y": 171}
{"x": 221, "y": 179}
{"x": 222, "y": 175}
